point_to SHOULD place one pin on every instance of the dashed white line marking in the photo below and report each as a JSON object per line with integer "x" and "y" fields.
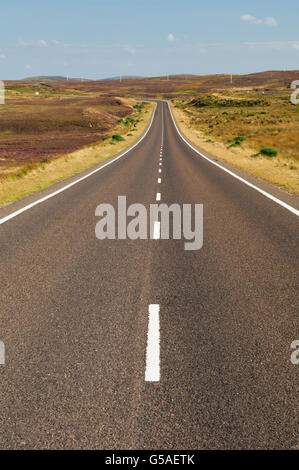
{"x": 152, "y": 370}
{"x": 159, "y": 180}
{"x": 156, "y": 234}
{"x": 158, "y": 197}
{"x": 160, "y": 164}
{"x": 162, "y": 143}
{"x": 160, "y": 171}
{"x": 2, "y": 353}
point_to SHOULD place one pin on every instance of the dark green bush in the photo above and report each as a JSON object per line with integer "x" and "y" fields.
{"x": 268, "y": 152}
{"x": 117, "y": 137}
{"x": 211, "y": 100}
{"x": 236, "y": 141}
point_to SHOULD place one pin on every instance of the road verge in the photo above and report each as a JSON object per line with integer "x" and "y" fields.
{"x": 64, "y": 166}
{"x": 275, "y": 171}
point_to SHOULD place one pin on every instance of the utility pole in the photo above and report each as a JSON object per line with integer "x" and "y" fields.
{"x": 231, "y": 78}
{"x": 120, "y": 79}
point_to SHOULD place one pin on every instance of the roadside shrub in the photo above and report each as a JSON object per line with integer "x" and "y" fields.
{"x": 127, "y": 122}
{"x": 139, "y": 107}
{"x": 117, "y": 137}
{"x": 211, "y": 100}
{"x": 268, "y": 152}
{"x": 236, "y": 141}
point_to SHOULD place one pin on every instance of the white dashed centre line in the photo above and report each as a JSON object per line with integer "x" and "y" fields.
{"x": 159, "y": 180}
{"x": 152, "y": 371}
{"x": 158, "y": 197}
{"x": 160, "y": 171}
{"x": 156, "y": 234}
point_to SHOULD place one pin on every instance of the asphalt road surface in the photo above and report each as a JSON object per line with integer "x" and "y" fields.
{"x": 74, "y": 313}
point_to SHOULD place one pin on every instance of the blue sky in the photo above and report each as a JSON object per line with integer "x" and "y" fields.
{"x": 103, "y": 38}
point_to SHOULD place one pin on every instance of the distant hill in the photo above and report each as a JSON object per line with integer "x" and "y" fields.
{"x": 123, "y": 77}
{"x": 54, "y": 78}
{"x": 59, "y": 78}
{"x": 271, "y": 81}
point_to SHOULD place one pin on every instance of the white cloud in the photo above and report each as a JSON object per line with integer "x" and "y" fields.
{"x": 54, "y": 41}
{"x": 270, "y": 21}
{"x": 2, "y": 56}
{"x": 28, "y": 66}
{"x": 171, "y": 37}
{"x": 249, "y": 18}
{"x": 296, "y": 46}
{"x": 130, "y": 49}
{"x": 40, "y": 43}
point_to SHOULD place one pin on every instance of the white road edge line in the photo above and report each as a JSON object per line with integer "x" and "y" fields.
{"x": 162, "y": 143}
{"x": 152, "y": 370}
{"x": 64, "y": 188}
{"x": 268, "y": 195}
{"x": 158, "y": 197}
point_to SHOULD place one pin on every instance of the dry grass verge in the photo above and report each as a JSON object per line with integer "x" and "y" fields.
{"x": 63, "y": 166}
{"x": 279, "y": 170}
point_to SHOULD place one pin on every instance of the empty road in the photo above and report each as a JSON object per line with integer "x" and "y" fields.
{"x": 82, "y": 318}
